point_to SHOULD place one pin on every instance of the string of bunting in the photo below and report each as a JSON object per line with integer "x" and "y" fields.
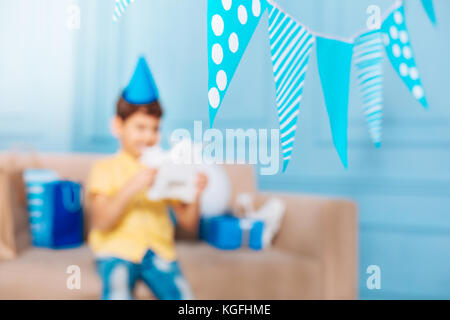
{"x": 231, "y": 25}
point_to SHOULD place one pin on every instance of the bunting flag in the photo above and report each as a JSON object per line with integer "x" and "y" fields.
{"x": 231, "y": 25}
{"x": 120, "y": 7}
{"x": 429, "y": 8}
{"x": 290, "y": 46}
{"x": 334, "y": 59}
{"x": 400, "y": 53}
{"x": 368, "y": 59}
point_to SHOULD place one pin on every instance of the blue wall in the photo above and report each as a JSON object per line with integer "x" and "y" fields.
{"x": 36, "y": 75}
{"x": 60, "y": 93}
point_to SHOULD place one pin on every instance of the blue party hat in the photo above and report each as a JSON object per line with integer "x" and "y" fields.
{"x": 142, "y": 88}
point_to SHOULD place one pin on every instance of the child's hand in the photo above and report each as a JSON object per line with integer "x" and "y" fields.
{"x": 202, "y": 182}
{"x": 143, "y": 180}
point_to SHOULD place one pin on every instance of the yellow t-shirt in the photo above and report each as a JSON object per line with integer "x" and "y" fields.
{"x": 144, "y": 225}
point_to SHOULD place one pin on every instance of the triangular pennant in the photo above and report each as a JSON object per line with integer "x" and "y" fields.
{"x": 231, "y": 24}
{"x": 334, "y": 59}
{"x": 399, "y": 51}
{"x": 120, "y": 7}
{"x": 368, "y": 59}
{"x": 290, "y": 46}
{"x": 429, "y": 8}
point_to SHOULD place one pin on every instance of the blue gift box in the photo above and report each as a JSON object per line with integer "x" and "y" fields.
{"x": 55, "y": 209}
{"x": 230, "y": 233}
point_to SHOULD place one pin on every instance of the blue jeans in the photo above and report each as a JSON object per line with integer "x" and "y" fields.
{"x": 164, "y": 278}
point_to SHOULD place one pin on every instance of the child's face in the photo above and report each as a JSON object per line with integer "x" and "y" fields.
{"x": 137, "y": 132}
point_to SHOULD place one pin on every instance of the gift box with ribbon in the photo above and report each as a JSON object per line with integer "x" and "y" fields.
{"x": 230, "y": 233}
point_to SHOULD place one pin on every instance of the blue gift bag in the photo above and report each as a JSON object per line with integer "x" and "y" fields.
{"x": 67, "y": 221}
{"x": 40, "y": 205}
{"x": 55, "y": 209}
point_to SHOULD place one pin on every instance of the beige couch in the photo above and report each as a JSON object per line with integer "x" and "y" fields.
{"x": 313, "y": 257}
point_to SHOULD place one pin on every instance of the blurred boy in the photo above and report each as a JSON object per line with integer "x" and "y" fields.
{"x": 133, "y": 237}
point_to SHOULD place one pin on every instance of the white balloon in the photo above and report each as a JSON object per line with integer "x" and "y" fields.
{"x": 216, "y": 197}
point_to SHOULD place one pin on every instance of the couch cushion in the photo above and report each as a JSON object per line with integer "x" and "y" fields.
{"x": 41, "y": 274}
{"x": 247, "y": 274}
{"x": 213, "y": 274}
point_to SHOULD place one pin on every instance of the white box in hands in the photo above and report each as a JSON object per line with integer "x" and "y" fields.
{"x": 177, "y": 177}
{"x": 175, "y": 182}
{"x": 177, "y": 173}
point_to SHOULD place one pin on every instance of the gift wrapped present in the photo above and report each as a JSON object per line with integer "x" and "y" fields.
{"x": 55, "y": 210}
{"x": 230, "y": 233}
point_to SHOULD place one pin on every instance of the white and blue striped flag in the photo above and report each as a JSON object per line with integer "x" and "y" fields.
{"x": 368, "y": 59}
{"x": 120, "y": 7}
{"x": 290, "y": 45}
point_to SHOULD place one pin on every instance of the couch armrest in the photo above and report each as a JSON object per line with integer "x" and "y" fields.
{"x": 325, "y": 229}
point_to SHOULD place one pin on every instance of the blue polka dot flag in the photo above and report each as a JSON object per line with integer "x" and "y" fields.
{"x": 231, "y": 25}
{"x": 399, "y": 51}
{"x": 290, "y": 46}
{"x": 429, "y": 9}
{"x": 120, "y": 7}
{"x": 334, "y": 59}
{"x": 368, "y": 53}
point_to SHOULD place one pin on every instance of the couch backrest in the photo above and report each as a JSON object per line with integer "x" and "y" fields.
{"x": 76, "y": 167}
